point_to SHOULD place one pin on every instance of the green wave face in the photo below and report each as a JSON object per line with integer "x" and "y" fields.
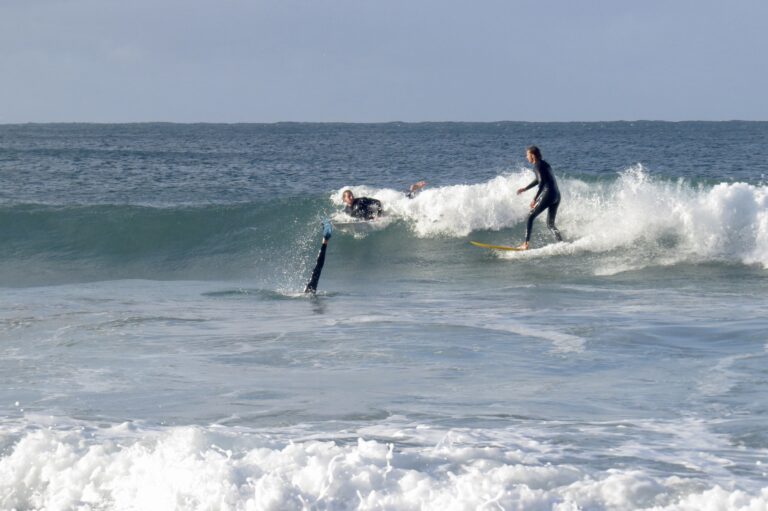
{"x": 51, "y": 244}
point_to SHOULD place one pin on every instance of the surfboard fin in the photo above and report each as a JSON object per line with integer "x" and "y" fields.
{"x": 327, "y": 229}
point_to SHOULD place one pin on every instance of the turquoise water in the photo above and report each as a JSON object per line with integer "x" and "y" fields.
{"x": 158, "y": 352}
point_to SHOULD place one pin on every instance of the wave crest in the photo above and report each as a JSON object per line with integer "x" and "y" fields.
{"x": 686, "y": 222}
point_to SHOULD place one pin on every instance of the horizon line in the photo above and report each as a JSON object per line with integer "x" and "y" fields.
{"x": 26, "y": 123}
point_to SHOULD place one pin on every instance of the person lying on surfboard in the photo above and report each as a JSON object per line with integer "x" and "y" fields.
{"x": 547, "y": 196}
{"x": 367, "y": 208}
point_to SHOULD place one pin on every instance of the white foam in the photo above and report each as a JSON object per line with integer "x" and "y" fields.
{"x": 453, "y": 210}
{"x": 667, "y": 222}
{"x": 188, "y": 468}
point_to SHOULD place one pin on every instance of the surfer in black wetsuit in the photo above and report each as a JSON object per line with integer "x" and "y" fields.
{"x": 361, "y": 207}
{"x": 547, "y": 196}
{"x": 367, "y": 208}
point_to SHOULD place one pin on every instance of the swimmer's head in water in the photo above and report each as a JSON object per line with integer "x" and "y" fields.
{"x": 347, "y": 197}
{"x": 532, "y": 153}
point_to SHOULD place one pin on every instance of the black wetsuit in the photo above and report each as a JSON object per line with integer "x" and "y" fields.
{"x": 547, "y": 197}
{"x": 365, "y": 208}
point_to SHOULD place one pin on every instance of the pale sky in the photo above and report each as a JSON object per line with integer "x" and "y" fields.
{"x": 382, "y": 60}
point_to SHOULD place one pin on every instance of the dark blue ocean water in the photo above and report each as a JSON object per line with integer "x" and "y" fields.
{"x": 158, "y": 353}
{"x": 168, "y": 164}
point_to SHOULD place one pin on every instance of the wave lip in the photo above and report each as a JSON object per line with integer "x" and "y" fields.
{"x": 725, "y": 223}
{"x": 730, "y": 222}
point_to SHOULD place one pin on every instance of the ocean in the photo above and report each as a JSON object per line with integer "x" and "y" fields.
{"x": 158, "y": 351}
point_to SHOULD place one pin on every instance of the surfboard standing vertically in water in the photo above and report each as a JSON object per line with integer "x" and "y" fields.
{"x": 315, "y": 278}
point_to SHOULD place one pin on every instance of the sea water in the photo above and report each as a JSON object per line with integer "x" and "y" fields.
{"x": 158, "y": 351}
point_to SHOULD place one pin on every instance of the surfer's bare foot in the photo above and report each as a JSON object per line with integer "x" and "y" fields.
{"x": 523, "y": 246}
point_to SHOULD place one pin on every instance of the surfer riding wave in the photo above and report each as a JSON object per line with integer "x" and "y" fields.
{"x": 547, "y": 196}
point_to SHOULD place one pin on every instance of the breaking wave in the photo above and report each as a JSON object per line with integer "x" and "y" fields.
{"x": 650, "y": 221}
{"x": 408, "y": 468}
{"x": 727, "y": 222}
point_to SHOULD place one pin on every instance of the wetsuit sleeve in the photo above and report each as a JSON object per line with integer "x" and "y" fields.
{"x": 537, "y": 180}
{"x": 538, "y": 192}
{"x": 531, "y": 184}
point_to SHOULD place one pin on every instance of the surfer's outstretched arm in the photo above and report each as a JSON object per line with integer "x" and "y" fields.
{"x": 315, "y": 278}
{"x": 414, "y": 189}
{"x": 530, "y": 185}
{"x": 526, "y": 188}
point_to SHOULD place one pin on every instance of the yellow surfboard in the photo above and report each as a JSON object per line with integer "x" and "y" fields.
{"x": 494, "y": 247}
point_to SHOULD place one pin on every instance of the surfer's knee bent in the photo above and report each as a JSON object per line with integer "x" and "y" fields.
{"x": 551, "y": 223}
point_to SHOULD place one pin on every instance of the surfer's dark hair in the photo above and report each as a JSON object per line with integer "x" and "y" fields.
{"x": 534, "y": 151}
